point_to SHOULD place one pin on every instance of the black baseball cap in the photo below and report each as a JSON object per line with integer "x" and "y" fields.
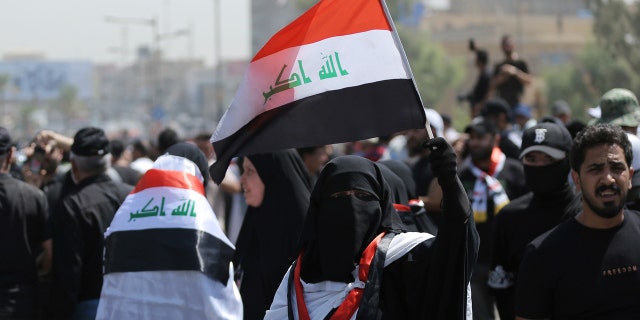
{"x": 5, "y": 140}
{"x": 547, "y": 137}
{"x": 90, "y": 141}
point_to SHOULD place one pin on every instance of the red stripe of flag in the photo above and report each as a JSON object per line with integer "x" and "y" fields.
{"x": 154, "y": 178}
{"x": 327, "y": 19}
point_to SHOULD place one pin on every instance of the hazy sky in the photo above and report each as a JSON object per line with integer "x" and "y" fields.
{"x": 76, "y": 29}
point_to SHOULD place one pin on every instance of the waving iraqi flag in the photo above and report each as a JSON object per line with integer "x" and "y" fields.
{"x": 337, "y": 73}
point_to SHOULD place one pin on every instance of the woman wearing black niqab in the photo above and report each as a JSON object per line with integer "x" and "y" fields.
{"x": 267, "y": 243}
{"x": 356, "y": 259}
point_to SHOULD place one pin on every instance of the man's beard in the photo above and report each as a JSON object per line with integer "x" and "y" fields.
{"x": 609, "y": 209}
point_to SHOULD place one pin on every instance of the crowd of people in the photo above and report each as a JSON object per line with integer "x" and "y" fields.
{"x": 513, "y": 218}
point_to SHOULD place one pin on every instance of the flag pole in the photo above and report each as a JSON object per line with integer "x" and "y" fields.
{"x": 396, "y": 37}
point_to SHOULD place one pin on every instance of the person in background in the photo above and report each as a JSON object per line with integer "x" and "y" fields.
{"x": 141, "y": 153}
{"x": 498, "y": 112}
{"x": 620, "y": 107}
{"x": 561, "y": 110}
{"x": 587, "y": 267}
{"x": 120, "y": 163}
{"x": 314, "y": 159}
{"x": 480, "y": 90}
{"x": 25, "y": 243}
{"x": 522, "y": 118}
{"x": 276, "y": 188}
{"x": 633, "y": 198}
{"x": 449, "y": 132}
{"x": 511, "y": 75}
{"x": 545, "y": 159}
{"x": 167, "y": 138}
{"x": 491, "y": 180}
{"x": 79, "y": 223}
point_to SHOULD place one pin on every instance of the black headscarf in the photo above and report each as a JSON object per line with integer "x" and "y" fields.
{"x": 403, "y": 171}
{"x": 337, "y": 230}
{"x": 191, "y": 152}
{"x": 396, "y": 185}
{"x": 267, "y": 241}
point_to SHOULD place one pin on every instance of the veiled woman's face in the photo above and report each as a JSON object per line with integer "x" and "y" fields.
{"x": 252, "y": 185}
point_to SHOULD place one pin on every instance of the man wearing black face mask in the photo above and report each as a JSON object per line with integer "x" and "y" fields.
{"x": 545, "y": 159}
{"x": 587, "y": 266}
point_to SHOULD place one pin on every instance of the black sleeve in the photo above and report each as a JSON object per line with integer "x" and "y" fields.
{"x": 430, "y": 282}
{"x": 458, "y": 217}
{"x": 523, "y": 66}
{"x": 501, "y": 277}
{"x": 499, "y": 250}
{"x": 68, "y": 247}
{"x": 37, "y": 220}
{"x": 533, "y": 299}
{"x": 481, "y": 88}
{"x": 496, "y": 70}
{"x": 453, "y": 256}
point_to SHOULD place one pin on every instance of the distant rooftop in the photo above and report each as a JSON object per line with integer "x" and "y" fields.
{"x": 23, "y": 54}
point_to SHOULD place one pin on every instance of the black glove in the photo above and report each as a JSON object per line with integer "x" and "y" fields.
{"x": 443, "y": 160}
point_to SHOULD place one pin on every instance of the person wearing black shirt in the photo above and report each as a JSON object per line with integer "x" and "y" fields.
{"x": 480, "y": 89}
{"x": 79, "y": 224}
{"x": 23, "y": 216}
{"x": 545, "y": 158}
{"x": 587, "y": 267}
{"x": 511, "y": 75}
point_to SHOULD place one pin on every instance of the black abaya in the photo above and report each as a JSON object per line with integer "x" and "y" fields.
{"x": 269, "y": 235}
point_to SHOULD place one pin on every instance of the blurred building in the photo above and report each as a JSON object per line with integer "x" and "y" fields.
{"x": 140, "y": 98}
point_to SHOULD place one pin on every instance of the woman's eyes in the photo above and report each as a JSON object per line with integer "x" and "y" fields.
{"x": 362, "y": 195}
{"x": 365, "y": 196}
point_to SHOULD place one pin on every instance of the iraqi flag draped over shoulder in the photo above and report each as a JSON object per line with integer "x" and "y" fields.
{"x": 166, "y": 223}
{"x": 166, "y": 256}
{"x": 337, "y": 73}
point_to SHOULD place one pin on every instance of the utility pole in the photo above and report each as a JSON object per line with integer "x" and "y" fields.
{"x": 175, "y": 34}
{"x": 125, "y": 23}
{"x": 164, "y": 37}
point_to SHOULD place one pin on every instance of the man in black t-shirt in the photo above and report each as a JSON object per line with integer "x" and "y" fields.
{"x": 511, "y": 75}
{"x": 587, "y": 267}
{"x": 23, "y": 215}
{"x": 545, "y": 158}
